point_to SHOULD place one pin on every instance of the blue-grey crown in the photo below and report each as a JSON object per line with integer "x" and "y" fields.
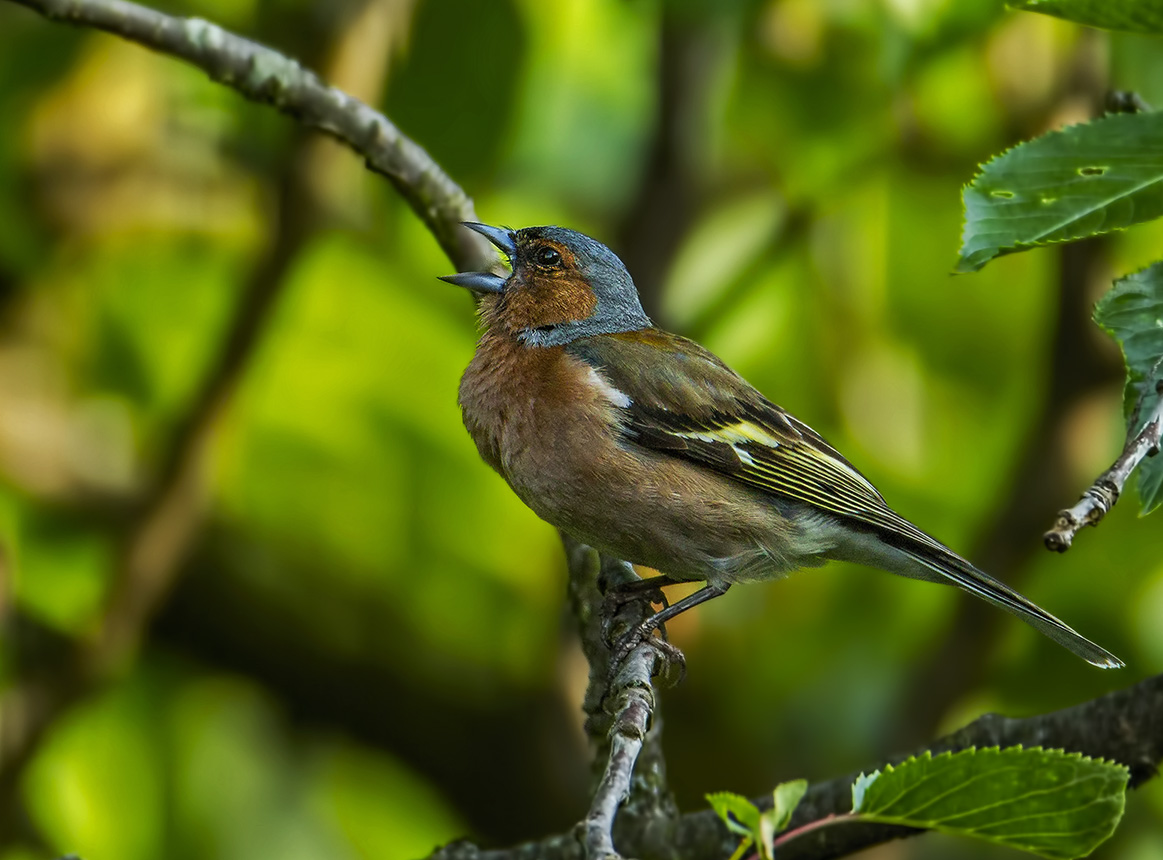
{"x": 618, "y": 309}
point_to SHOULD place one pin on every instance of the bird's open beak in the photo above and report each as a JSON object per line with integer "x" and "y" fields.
{"x": 486, "y": 282}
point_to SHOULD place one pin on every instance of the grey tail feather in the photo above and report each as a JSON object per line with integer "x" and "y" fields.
{"x": 961, "y": 573}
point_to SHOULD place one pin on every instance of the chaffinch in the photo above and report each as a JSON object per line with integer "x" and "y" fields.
{"x": 648, "y": 448}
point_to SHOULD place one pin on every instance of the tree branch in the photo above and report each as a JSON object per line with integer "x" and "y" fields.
{"x": 267, "y": 76}
{"x": 1125, "y": 726}
{"x": 622, "y": 720}
{"x": 634, "y": 705}
{"x": 1101, "y": 496}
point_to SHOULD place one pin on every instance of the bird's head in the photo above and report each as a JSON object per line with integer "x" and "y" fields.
{"x": 564, "y": 285}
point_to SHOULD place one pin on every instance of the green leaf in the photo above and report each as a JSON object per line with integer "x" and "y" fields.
{"x": 785, "y": 799}
{"x": 743, "y": 817}
{"x": 860, "y": 787}
{"x": 739, "y": 814}
{"x": 1047, "y": 802}
{"x": 1069, "y": 184}
{"x": 1137, "y": 16}
{"x": 1132, "y": 313}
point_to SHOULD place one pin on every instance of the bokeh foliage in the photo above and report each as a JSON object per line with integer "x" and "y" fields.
{"x": 363, "y": 653}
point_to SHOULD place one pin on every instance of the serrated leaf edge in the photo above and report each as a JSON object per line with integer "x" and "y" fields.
{"x": 927, "y": 755}
{"x": 1025, "y": 246}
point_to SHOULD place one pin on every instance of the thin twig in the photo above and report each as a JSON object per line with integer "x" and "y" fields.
{"x": 1101, "y": 496}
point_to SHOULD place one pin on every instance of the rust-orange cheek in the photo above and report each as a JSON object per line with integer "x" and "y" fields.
{"x": 545, "y": 301}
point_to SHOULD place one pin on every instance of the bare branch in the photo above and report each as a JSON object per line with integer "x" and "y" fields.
{"x": 1125, "y": 726}
{"x": 634, "y": 698}
{"x": 1101, "y": 496}
{"x": 267, "y": 76}
{"x": 622, "y": 723}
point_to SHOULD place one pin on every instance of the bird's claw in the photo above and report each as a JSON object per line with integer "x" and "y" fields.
{"x": 616, "y": 598}
{"x": 670, "y": 658}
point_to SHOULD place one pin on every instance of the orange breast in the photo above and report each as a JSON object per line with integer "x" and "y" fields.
{"x": 549, "y": 424}
{"x": 532, "y": 403}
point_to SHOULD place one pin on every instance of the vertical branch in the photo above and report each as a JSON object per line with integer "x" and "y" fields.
{"x": 622, "y": 723}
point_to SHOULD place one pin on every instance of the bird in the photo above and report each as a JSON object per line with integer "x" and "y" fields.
{"x": 647, "y": 447}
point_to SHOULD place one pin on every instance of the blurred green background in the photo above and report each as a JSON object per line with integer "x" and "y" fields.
{"x": 260, "y": 598}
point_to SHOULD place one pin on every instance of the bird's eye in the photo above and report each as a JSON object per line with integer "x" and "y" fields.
{"x": 547, "y": 256}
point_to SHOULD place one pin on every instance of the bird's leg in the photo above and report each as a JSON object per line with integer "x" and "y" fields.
{"x": 626, "y": 591}
{"x": 641, "y": 632}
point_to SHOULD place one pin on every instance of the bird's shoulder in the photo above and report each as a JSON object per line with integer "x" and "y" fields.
{"x": 663, "y": 372}
{"x": 677, "y": 384}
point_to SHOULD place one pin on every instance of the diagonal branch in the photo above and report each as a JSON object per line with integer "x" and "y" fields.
{"x": 1101, "y": 496}
{"x": 264, "y": 75}
{"x": 164, "y": 531}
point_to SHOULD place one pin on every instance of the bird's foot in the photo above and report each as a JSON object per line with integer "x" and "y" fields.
{"x": 670, "y": 658}
{"x": 645, "y": 591}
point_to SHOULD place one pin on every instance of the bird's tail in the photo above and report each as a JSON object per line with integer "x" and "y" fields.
{"x": 952, "y": 568}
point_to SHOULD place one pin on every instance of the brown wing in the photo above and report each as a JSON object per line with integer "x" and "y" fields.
{"x": 683, "y": 401}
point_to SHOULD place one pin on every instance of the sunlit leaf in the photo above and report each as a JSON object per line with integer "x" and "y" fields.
{"x": 1080, "y": 181}
{"x": 1139, "y": 16}
{"x": 1047, "y": 802}
{"x": 739, "y": 814}
{"x": 786, "y": 798}
{"x": 1132, "y": 312}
